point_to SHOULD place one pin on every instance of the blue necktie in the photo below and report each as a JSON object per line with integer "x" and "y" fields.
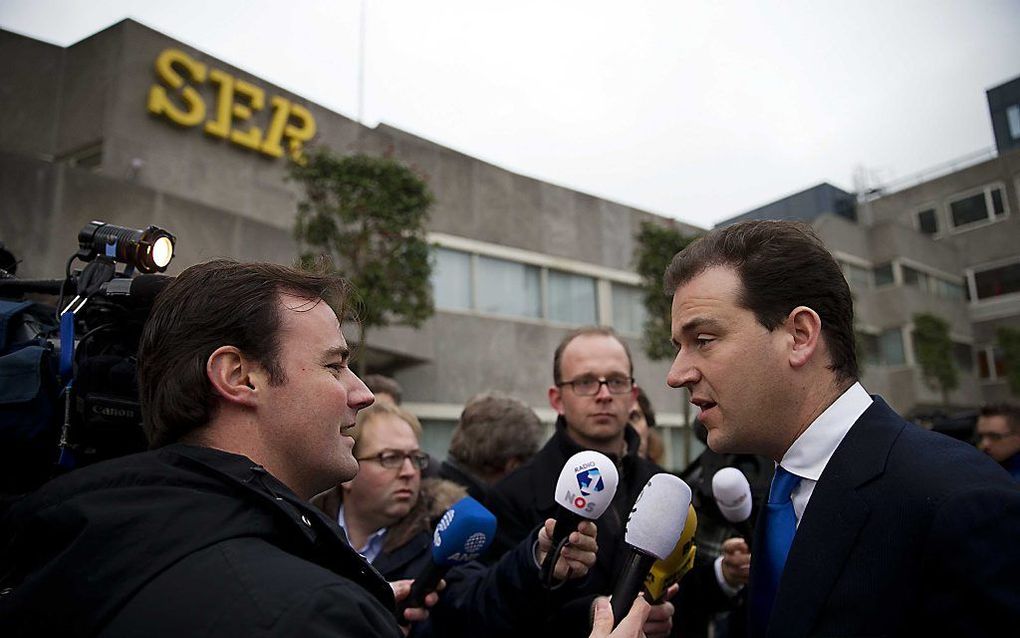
{"x": 780, "y": 526}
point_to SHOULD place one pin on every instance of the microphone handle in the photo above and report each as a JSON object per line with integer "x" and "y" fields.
{"x": 746, "y": 531}
{"x": 566, "y": 522}
{"x": 630, "y": 582}
{"x": 425, "y": 583}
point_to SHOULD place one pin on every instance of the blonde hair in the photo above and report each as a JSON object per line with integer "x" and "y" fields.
{"x": 378, "y": 409}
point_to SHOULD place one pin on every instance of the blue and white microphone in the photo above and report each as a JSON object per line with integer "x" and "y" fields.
{"x": 586, "y": 487}
{"x": 462, "y": 535}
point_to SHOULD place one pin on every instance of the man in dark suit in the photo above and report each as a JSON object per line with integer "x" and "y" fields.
{"x": 873, "y": 525}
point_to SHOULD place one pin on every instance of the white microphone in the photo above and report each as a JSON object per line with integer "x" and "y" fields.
{"x": 654, "y": 527}
{"x": 584, "y": 490}
{"x": 733, "y": 496}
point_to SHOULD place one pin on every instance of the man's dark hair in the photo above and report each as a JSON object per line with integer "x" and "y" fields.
{"x": 378, "y": 383}
{"x": 495, "y": 428}
{"x": 1008, "y": 410}
{"x": 210, "y": 305}
{"x": 646, "y": 407}
{"x": 585, "y": 332}
{"x": 781, "y": 265}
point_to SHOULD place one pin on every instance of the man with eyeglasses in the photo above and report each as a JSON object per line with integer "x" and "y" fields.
{"x": 998, "y": 436}
{"x": 592, "y": 392}
{"x": 387, "y": 510}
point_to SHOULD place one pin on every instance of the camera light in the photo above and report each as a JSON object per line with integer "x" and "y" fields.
{"x": 148, "y": 250}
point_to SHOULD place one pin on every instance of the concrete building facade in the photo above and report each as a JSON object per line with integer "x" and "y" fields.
{"x": 947, "y": 244}
{"x": 134, "y": 128}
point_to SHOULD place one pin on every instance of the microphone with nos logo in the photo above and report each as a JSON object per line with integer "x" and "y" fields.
{"x": 654, "y": 526}
{"x": 664, "y": 573}
{"x": 584, "y": 491}
{"x": 462, "y": 535}
{"x": 733, "y": 496}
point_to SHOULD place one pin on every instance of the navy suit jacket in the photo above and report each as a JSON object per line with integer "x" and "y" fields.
{"x": 907, "y": 532}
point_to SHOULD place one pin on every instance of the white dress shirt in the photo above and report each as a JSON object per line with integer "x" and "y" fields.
{"x": 374, "y": 543}
{"x": 810, "y": 453}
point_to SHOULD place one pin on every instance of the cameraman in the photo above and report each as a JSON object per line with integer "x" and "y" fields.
{"x": 248, "y": 401}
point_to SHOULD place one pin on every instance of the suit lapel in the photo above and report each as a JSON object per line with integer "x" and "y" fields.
{"x": 832, "y": 521}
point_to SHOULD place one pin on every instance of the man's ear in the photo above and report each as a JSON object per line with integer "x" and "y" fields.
{"x": 556, "y": 399}
{"x": 232, "y": 376}
{"x": 804, "y": 326}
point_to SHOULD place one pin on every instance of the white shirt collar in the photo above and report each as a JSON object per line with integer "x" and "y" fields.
{"x": 810, "y": 453}
{"x": 373, "y": 544}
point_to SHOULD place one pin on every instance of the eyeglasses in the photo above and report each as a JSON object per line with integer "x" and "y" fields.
{"x": 392, "y": 460}
{"x": 994, "y": 437}
{"x": 590, "y": 386}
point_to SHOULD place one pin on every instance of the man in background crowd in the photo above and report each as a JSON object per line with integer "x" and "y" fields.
{"x": 998, "y": 435}
{"x": 496, "y": 434}
{"x": 592, "y": 392}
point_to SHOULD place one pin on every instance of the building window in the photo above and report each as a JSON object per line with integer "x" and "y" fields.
{"x": 628, "y": 308}
{"x": 508, "y": 288}
{"x": 996, "y": 282}
{"x": 979, "y": 207}
{"x": 884, "y": 275}
{"x": 571, "y": 298}
{"x": 1013, "y": 117}
{"x": 857, "y": 276}
{"x": 890, "y": 348}
{"x": 991, "y": 364}
{"x": 867, "y": 348}
{"x": 451, "y": 279}
{"x": 927, "y": 222}
{"x": 964, "y": 356}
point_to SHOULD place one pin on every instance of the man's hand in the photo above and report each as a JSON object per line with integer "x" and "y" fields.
{"x": 401, "y": 589}
{"x": 630, "y": 626}
{"x": 660, "y": 618}
{"x": 736, "y": 562}
{"x": 578, "y": 555}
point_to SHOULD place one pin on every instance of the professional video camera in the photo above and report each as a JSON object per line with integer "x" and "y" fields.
{"x": 68, "y": 374}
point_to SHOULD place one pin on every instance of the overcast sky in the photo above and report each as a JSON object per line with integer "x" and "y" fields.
{"x": 696, "y": 110}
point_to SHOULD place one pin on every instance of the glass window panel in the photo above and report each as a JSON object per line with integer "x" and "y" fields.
{"x": 912, "y": 277}
{"x": 999, "y": 359}
{"x": 508, "y": 288}
{"x": 997, "y": 281}
{"x": 969, "y": 210}
{"x": 1013, "y": 117}
{"x": 867, "y": 348}
{"x": 884, "y": 274}
{"x": 628, "y": 308}
{"x": 997, "y": 208}
{"x": 435, "y": 438}
{"x": 951, "y": 290}
{"x": 983, "y": 370}
{"x": 451, "y": 279}
{"x": 927, "y": 222}
{"x": 571, "y": 298}
{"x": 890, "y": 346}
{"x": 857, "y": 276}
{"x": 964, "y": 356}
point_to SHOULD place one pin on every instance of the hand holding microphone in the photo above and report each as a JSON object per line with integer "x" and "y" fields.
{"x": 463, "y": 533}
{"x": 579, "y": 554}
{"x": 584, "y": 490}
{"x": 656, "y": 523}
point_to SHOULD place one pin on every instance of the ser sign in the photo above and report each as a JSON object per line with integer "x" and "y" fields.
{"x": 235, "y": 104}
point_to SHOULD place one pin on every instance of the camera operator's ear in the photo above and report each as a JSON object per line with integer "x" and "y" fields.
{"x": 230, "y": 374}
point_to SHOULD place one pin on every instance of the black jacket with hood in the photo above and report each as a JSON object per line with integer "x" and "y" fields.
{"x": 182, "y": 541}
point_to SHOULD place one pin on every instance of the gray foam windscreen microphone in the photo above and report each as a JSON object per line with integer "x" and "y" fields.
{"x": 732, "y": 494}
{"x": 659, "y": 515}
